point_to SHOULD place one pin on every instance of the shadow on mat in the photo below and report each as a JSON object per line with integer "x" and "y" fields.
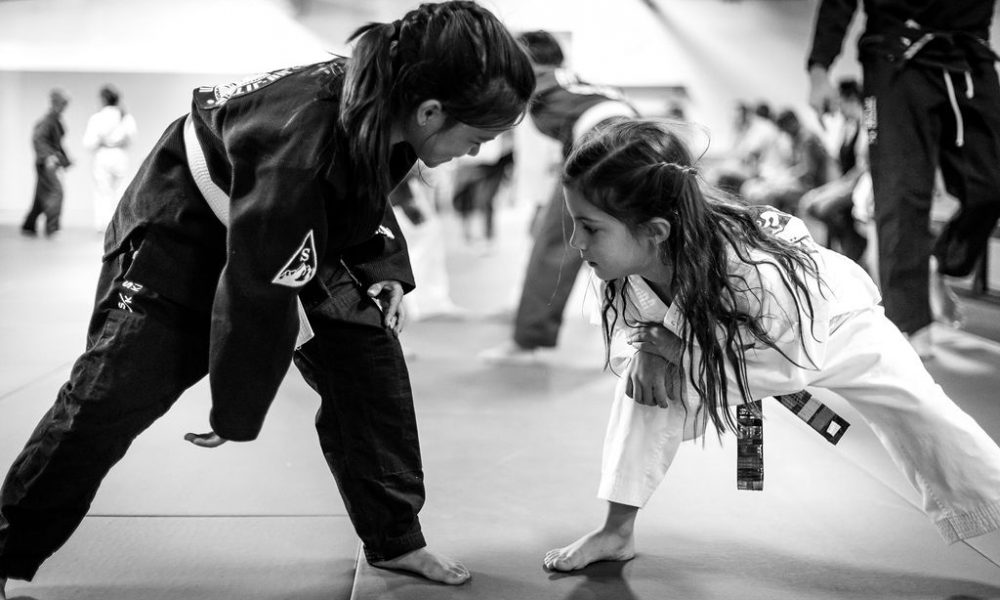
{"x": 685, "y": 576}
{"x": 604, "y": 579}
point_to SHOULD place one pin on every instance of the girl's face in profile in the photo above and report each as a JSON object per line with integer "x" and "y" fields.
{"x": 607, "y": 244}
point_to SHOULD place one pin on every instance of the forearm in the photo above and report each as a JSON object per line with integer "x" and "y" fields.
{"x": 832, "y": 21}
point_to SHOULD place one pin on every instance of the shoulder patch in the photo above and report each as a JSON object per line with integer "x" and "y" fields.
{"x": 301, "y": 267}
{"x": 782, "y": 225}
{"x": 215, "y": 96}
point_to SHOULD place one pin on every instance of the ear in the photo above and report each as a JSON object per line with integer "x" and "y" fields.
{"x": 659, "y": 230}
{"x": 430, "y": 114}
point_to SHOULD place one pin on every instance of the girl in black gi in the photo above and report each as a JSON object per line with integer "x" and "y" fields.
{"x": 304, "y": 159}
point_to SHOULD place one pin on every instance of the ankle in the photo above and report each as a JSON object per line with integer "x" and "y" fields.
{"x": 620, "y": 520}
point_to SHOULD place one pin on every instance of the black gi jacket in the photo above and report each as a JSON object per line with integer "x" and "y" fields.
{"x": 560, "y": 99}
{"x": 47, "y": 138}
{"x": 272, "y": 143}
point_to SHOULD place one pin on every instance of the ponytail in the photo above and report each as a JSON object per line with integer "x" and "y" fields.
{"x": 365, "y": 115}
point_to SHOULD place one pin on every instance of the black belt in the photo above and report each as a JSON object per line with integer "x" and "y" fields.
{"x": 750, "y": 427}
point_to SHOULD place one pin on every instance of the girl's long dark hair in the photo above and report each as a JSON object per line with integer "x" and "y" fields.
{"x": 636, "y": 170}
{"x": 455, "y": 52}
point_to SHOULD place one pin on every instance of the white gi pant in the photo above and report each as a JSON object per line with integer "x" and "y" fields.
{"x": 942, "y": 451}
{"x": 109, "y": 171}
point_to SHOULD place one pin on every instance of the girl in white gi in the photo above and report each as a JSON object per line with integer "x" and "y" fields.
{"x": 708, "y": 304}
{"x": 109, "y": 133}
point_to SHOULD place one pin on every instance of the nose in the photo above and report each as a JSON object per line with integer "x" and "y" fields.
{"x": 575, "y": 239}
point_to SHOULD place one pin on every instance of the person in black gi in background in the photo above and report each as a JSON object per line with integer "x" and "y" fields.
{"x": 305, "y": 158}
{"x": 931, "y": 100}
{"x": 46, "y": 137}
{"x": 564, "y": 109}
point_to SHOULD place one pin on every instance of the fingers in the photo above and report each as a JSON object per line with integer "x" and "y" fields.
{"x": 389, "y": 296}
{"x": 647, "y": 380}
{"x": 205, "y": 440}
{"x": 637, "y": 392}
{"x": 394, "y": 311}
{"x": 658, "y": 340}
{"x": 659, "y": 392}
{"x": 402, "y": 315}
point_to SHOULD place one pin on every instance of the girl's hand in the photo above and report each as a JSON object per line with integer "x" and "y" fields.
{"x": 652, "y": 381}
{"x": 647, "y": 380}
{"x": 389, "y": 296}
{"x": 657, "y": 339}
{"x": 205, "y": 440}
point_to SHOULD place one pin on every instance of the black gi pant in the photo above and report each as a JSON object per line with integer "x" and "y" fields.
{"x": 48, "y": 200}
{"x": 915, "y": 130}
{"x": 143, "y": 351}
{"x": 552, "y": 270}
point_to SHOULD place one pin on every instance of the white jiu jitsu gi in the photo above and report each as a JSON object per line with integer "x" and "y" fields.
{"x": 848, "y": 347}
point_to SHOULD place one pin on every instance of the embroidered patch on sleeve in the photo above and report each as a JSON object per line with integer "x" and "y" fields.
{"x": 782, "y": 225}
{"x": 301, "y": 267}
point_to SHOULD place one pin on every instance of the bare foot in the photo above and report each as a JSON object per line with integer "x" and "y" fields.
{"x": 427, "y": 564}
{"x": 600, "y": 544}
{"x": 945, "y": 305}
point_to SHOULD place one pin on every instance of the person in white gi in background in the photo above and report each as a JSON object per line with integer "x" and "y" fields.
{"x": 108, "y": 135}
{"x": 708, "y": 304}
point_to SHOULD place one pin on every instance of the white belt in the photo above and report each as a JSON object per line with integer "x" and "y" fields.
{"x": 218, "y": 201}
{"x": 969, "y": 93}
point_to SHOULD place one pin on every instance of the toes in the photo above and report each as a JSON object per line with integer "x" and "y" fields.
{"x": 456, "y": 574}
{"x": 557, "y": 560}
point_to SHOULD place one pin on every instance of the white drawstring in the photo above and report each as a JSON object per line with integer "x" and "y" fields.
{"x": 969, "y": 93}
{"x": 959, "y": 123}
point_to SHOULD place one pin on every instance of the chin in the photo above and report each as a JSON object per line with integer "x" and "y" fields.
{"x": 431, "y": 163}
{"x": 603, "y": 275}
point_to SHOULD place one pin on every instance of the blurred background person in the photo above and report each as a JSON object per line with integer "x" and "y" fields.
{"x": 932, "y": 100}
{"x": 832, "y": 204}
{"x": 50, "y": 160}
{"x": 109, "y": 133}
{"x": 478, "y": 181}
{"x": 564, "y": 108}
{"x": 806, "y": 165}
{"x": 418, "y": 218}
{"x": 757, "y": 148}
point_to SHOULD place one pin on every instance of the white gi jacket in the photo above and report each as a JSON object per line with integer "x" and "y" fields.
{"x": 109, "y": 132}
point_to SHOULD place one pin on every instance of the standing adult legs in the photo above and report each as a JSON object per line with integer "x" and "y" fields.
{"x": 52, "y": 201}
{"x": 366, "y": 423}
{"x": 972, "y": 174}
{"x": 552, "y": 271}
{"x": 142, "y": 352}
{"x": 901, "y": 112}
{"x": 42, "y": 183}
